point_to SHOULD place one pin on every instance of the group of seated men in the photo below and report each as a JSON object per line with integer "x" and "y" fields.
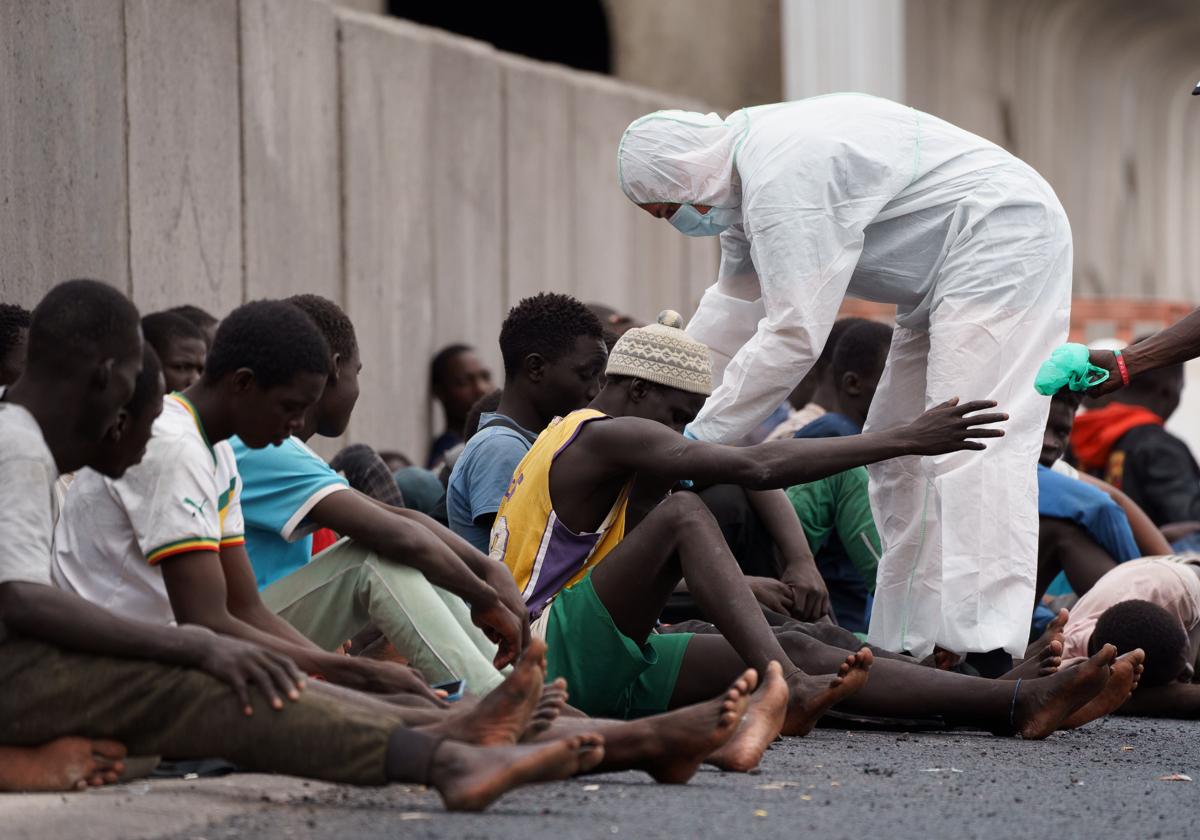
{"x": 160, "y": 594}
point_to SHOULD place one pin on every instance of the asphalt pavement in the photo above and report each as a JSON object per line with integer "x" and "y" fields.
{"x": 1105, "y": 780}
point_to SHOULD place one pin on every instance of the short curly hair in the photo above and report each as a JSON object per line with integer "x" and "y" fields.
{"x": 13, "y": 319}
{"x": 547, "y": 324}
{"x": 161, "y": 328}
{"x": 80, "y": 318}
{"x": 1143, "y": 624}
{"x": 273, "y": 338}
{"x": 333, "y": 323}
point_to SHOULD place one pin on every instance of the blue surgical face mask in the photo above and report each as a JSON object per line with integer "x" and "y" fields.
{"x": 691, "y": 222}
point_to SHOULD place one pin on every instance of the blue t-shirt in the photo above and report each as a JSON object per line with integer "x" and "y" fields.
{"x": 281, "y": 484}
{"x": 480, "y": 479}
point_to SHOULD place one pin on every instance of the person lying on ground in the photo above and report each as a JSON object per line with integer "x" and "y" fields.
{"x": 1153, "y": 604}
{"x": 396, "y": 569}
{"x": 165, "y": 542}
{"x": 180, "y": 346}
{"x": 596, "y": 581}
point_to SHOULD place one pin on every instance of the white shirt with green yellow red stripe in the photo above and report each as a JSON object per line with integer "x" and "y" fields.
{"x": 184, "y": 496}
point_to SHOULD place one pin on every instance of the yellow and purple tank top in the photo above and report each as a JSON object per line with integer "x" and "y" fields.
{"x": 543, "y": 554}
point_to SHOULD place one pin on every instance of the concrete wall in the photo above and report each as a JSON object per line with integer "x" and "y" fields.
{"x": 1095, "y": 95}
{"x": 850, "y": 45}
{"x": 215, "y": 151}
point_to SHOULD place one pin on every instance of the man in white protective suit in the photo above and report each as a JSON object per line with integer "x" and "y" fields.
{"x": 853, "y": 195}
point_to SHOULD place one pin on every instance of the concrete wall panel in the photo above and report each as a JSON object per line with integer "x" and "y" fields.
{"x": 539, "y": 199}
{"x": 292, "y": 226}
{"x": 605, "y": 221}
{"x": 467, "y": 163}
{"x": 63, "y": 197}
{"x": 386, "y": 95}
{"x": 184, "y": 156}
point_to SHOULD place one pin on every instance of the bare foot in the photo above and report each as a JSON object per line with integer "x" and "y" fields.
{"x": 1042, "y": 705}
{"x": 811, "y": 696}
{"x": 1046, "y": 662}
{"x": 684, "y": 738}
{"x": 470, "y": 778}
{"x": 760, "y": 726}
{"x": 1054, "y": 632}
{"x": 63, "y": 764}
{"x": 549, "y": 707}
{"x": 1126, "y": 672}
{"x": 501, "y": 716}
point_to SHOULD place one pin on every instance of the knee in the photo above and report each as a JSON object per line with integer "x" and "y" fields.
{"x": 684, "y": 507}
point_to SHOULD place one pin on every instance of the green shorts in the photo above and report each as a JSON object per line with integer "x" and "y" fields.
{"x": 609, "y": 674}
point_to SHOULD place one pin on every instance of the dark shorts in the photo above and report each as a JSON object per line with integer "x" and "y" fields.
{"x": 608, "y": 674}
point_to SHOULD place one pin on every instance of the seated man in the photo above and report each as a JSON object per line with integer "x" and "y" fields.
{"x": 855, "y": 369}
{"x": 73, "y": 671}
{"x": 597, "y": 585}
{"x": 457, "y": 377}
{"x": 554, "y": 354}
{"x": 180, "y": 347}
{"x": 1152, "y": 604}
{"x": 1124, "y": 443}
{"x": 165, "y": 542}
{"x": 394, "y": 568}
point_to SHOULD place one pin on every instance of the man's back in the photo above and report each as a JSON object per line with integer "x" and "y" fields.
{"x": 482, "y": 474}
{"x": 1158, "y": 471}
{"x": 27, "y": 476}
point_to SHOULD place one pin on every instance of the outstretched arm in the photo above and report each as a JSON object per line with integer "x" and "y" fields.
{"x": 1176, "y": 344}
{"x": 634, "y": 445}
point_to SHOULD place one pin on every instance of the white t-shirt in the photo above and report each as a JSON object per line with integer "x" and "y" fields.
{"x": 184, "y": 496}
{"x": 27, "y": 505}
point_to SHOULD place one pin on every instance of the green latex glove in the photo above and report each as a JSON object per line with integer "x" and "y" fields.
{"x": 1069, "y": 366}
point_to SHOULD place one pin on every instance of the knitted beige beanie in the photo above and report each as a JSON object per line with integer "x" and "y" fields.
{"x": 665, "y": 354}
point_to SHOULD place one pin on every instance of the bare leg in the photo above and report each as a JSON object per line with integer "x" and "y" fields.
{"x": 63, "y": 764}
{"x": 900, "y": 689}
{"x": 680, "y": 540}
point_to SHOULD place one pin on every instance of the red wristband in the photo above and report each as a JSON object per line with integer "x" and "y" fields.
{"x": 1124, "y": 371}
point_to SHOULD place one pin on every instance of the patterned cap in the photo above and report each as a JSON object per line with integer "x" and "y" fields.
{"x": 665, "y": 354}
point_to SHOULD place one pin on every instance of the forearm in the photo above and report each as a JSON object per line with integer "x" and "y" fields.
{"x": 478, "y": 563}
{"x": 1149, "y": 538}
{"x": 782, "y": 463}
{"x": 305, "y": 654}
{"x": 52, "y": 615}
{"x": 423, "y": 549}
{"x": 1177, "y": 343}
{"x": 1174, "y": 700}
{"x": 779, "y": 517}
{"x": 261, "y": 618}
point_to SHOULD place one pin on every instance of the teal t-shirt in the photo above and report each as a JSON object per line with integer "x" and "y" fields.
{"x": 280, "y": 485}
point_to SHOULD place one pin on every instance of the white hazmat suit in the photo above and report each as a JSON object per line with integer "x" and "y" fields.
{"x": 851, "y": 194}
